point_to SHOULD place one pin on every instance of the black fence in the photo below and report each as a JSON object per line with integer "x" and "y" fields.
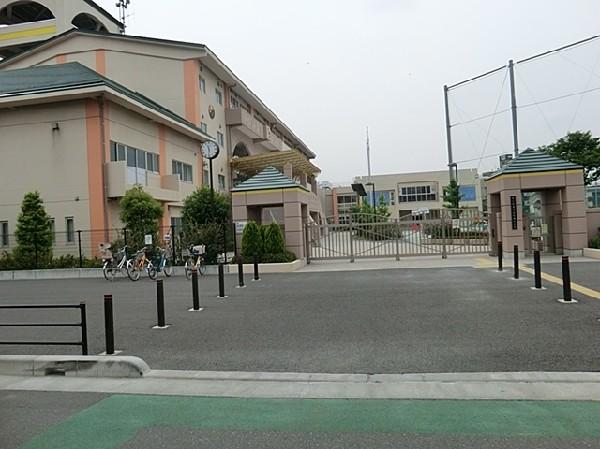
{"x": 81, "y": 248}
{"x": 82, "y": 324}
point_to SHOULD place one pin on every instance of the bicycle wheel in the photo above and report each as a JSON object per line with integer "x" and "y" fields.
{"x": 201, "y": 267}
{"x": 108, "y": 271}
{"x": 152, "y": 273}
{"x": 168, "y": 268}
{"x": 188, "y": 270}
{"x": 132, "y": 272}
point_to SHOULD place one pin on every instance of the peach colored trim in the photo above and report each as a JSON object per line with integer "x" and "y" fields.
{"x": 162, "y": 150}
{"x": 191, "y": 91}
{"x": 61, "y": 59}
{"x": 107, "y": 154}
{"x": 95, "y": 168}
{"x": 166, "y": 220}
{"x": 101, "y": 62}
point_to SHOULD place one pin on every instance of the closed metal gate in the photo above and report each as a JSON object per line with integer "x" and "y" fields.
{"x": 451, "y": 232}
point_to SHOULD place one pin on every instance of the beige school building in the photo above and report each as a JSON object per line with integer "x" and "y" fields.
{"x": 87, "y": 112}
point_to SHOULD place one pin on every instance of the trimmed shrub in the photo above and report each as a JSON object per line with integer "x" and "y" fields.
{"x": 273, "y": 239}
{"x": 252, "y": 241}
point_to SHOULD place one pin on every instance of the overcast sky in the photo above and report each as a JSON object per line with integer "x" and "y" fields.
{"x": 330, "y": 68}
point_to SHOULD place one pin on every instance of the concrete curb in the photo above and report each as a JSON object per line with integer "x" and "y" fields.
{"x": 96, "y": 273}
{"x": 72, "y": 366}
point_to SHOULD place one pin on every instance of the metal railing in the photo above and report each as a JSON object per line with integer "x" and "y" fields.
{"x": 83, "y": 325}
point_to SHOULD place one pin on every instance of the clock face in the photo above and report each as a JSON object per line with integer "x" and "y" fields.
{"x": 210, "y": 149}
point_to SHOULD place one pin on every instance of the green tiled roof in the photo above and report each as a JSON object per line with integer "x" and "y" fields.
{"x": 531, "y": 161}
{"x": 269, "y": 178}
{"x": 43, "y": 79}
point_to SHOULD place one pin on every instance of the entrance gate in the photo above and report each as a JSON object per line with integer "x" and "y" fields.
{"x": 368, "y": 236}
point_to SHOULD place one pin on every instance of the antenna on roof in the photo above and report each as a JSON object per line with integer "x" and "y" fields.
{"x": 123, "y": 5}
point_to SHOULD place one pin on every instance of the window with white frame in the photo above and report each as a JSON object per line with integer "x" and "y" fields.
{"x": 206, "y": 178}
{"x": 183, "y": 170}
{"x": 204, "y": 127}
{"x": 220, "y": 139}
{"x": 202, "y": 85}
{"x": 139, "y": 162}
{"x": 413, "y": 194}
{"x": 219, "y": 96}
{"x": 70, "y": 226}
{"x": 4, "y": 241}
{"x": 221, "y": 179}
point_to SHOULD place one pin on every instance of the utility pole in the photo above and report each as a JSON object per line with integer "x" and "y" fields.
{"x": 449, "y": 135}
{"x": 513, "y": 104}
{"x": 123, "y": 5}
{"x": 369, "y": 168}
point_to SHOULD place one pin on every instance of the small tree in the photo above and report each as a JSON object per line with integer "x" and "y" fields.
{"x": 274, "y": 243}
{"x": 452, "y": 198}
{"x": 252, "y": 241}
{"x": 205, "y": 219}
{"x": 33, "y": 233}
{"x": 140, "y": 213}
{"x": 580, "y": 148}
{"x": 203, "y": 207}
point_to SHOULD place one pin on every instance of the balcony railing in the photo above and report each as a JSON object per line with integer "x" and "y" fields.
{"x": 245, "y": 122}
{"x": 120, "y": 178}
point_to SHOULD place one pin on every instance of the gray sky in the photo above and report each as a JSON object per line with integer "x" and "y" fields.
{"x": 330, "y": 68}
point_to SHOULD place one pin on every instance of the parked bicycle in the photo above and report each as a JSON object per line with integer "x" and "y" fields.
{"x": 163, "y": 265}
{"x": 195, "y": 260}
{"x": 113, "y": 263}
{"x": 138, "y": 264}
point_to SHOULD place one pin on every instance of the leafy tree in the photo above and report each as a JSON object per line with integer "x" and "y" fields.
{"x": 33, "y": 233}
{"x": 252, "y": 241}
{"x": 203, "y": 207}
{"x": 580, "y": 148}
{"x": 140, "y": 213}
{"x": 452, "y": 198}
{"x": 205, "y": 217}
{"x": 274, "y": 243}
{"x": 365, "y": 213}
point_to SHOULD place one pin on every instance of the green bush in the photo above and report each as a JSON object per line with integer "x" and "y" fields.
{"x": 283, "y": 257}
{"x": 273, "y": 239}
{"x": 595, "y": 242}
{"x": 252, "y": 241}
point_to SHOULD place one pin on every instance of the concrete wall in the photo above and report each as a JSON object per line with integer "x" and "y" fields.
{"x": 34, "y": 157}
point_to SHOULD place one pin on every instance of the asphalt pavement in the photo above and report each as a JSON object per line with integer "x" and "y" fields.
{"x": 379, "y": 321}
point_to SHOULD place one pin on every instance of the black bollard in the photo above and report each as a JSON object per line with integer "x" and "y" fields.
{"x": 221, "y": 281}
{"x": 516, "y": 261}
{"x": 566, "y": 275}
{"x": 500, "y": 257}
{"x": 109, "y": 327}
{"x": 195, "y": 295}
{"x": 241, "y": 275}
{"x": 537, "y": 267}
{"x": 256, "y": 275}
{"x": 160, "y": 304}
{"x": 84, "y": 340}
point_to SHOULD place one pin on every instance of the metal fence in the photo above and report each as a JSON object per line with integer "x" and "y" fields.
{"x": 450, "y": 232}
{"x": 82, "y": 248}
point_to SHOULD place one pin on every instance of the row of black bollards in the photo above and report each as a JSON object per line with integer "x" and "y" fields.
{"x": 537, "y": 271}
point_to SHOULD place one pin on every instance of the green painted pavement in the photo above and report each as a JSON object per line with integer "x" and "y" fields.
{"x": 115, "y": 420}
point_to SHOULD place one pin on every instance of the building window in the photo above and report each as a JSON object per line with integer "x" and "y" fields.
{"x": 4, "y": 233}
{"x": 52, "y": 226}
{"x": 138, "y": 162}
{"x": 203, "y": 85}
{"x": 387, "y": 196}
{"x": 70, "y": 222}
{"x": 206, "y": 178}
{"x": 220, "y": 139}
{"x": 183, "y": 170}
{"x": 221, "y": 182}
{"x": 219, "y": 96}
{"x": 204, "y": 127}
{"x": 177, "y": 223}
{"x": 413, "y": 194}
